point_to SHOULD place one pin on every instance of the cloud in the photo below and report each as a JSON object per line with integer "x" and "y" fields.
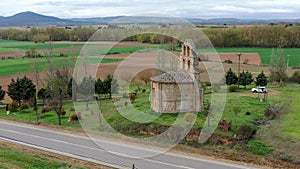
{"x": 187, "y": 8}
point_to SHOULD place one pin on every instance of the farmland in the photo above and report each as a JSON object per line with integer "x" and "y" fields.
{"x": 24, "y": 65}
{"x": 293, "y": 54}
{"x": 248, "y": 104}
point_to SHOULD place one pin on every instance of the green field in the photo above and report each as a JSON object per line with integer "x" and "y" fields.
{"x": 22, "y": 45}
{"x": 265, "y": 53}
{"x": 19, "y": 46}
{"x": 13, "y": 158}
{"x": 49, "y": 117}
{"x": 24, "y": 65}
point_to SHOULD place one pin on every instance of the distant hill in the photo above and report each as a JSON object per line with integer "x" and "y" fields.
{"x": 34, "y": 19}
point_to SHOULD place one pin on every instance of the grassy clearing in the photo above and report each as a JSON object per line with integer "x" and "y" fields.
{"x": 116, "y": 120}
{"x": 289, "y": 123}
{"x": 265, "y": 53}
{"x": 49, "y": 117}
{"x": 12, "y": 158}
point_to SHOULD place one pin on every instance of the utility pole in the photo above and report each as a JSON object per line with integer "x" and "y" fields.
{"x": 239, "y": 66}
{"x": 287, "y": 63}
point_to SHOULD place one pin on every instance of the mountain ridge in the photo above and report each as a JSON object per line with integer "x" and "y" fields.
{"x": 29, "y": 18}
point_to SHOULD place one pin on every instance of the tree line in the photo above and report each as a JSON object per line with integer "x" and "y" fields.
{"x": 268, "y": 36}
{"x": 23, "y": 91}
{"x": 40, "y": 35}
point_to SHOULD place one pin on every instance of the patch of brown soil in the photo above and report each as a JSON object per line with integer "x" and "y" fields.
{"x": 11, "y": 54}
{"x": 253, "y": 58}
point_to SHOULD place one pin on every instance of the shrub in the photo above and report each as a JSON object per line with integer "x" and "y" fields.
{"x": 232, "y": 88}
{"x": 276, "y": 109}
{"x": 13, "y": 107}
{"x": 132, "y": 97}
{"x": 246, "y": 61}
{"x": 45, "y": 109}
{"x": 207, "y": 83}
{"x": 246, "y": 131}
{"x": 258, "y": 148}
{"x": 62, "y": 55}
{"x": 63, "y": 112}
{"x": 76, "y": 117}
{"x": 228, "y": 61}
{"x": 295, "y": 78}
{"x": 24, "y": 106}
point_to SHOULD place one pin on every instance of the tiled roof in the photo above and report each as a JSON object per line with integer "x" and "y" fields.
{"x": 174, "y": 77}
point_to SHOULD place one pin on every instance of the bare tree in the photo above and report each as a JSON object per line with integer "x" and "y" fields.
{"x": 58, "y": 75}
{"x": 278, "y": 67}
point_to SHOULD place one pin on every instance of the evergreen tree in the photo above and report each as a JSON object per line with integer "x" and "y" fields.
{"x": 231, "y": 77}
{"x": 21, "y": 89}
{"x": 99, "y": 86}
{"x": 110, "y": 85}
{"x": 72, "y": 88}
{"x": 43, "y": 94}
{"x": 261, "y": 79}
{"x": 2, "y": 93}
{"x": 87, "y": 86}
{"x": 245, "y": 79}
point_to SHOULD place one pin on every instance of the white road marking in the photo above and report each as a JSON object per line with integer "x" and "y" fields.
{"x": 65, "y": 154}
{"x": 86, "y": 147}
{"x": 131, "y": 146}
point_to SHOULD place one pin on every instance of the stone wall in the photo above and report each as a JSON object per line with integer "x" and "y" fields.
{"x": 174, "y": 98}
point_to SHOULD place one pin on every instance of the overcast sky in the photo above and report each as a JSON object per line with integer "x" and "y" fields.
{"x": 254, "y": 9}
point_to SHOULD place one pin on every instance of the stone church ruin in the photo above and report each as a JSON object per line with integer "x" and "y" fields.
{"x": 179, "y": 91}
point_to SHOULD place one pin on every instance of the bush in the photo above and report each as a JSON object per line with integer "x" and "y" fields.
{"x": 24, "y": 106}
{"x": 258, "y": 148}
{"x": 63, "y": 112}
{"x": 295, "y": 78}
{"x": 207, "y": 83}
{"x": 45, "y": 109}
{"x": 132, "y": 97}
{"x": 276, "y": 109}
{"x": 228, "y": 61}
{"x": 13, "y": 107}
{"x": 246, "y": 61}
{"x": 233, "y": 88}
{"x": 246, "y": 132}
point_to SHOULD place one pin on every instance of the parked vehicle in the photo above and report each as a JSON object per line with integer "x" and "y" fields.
{"x": 259, "y": 90}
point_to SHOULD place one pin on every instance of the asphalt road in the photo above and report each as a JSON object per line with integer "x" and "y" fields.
{"x": 86, "y": 149}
